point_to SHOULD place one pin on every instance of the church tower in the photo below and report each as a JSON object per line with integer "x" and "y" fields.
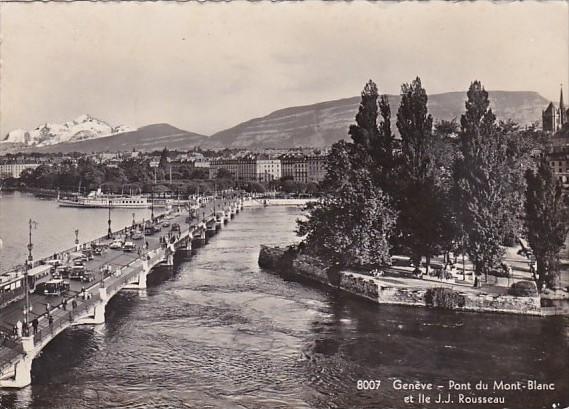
{"x": 562, "y": 112}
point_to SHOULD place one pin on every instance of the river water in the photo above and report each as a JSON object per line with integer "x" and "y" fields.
{"x": 222, "y": 333}
{"x": 53, "y": 227}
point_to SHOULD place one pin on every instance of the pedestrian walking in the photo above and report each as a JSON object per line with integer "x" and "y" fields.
{"x": 19, "y": 328}
{"x": 74, "y": 304}
{"x": 35, "y": 325}
{"x": 64, "y": 304}
{"x": 50, "y": 320}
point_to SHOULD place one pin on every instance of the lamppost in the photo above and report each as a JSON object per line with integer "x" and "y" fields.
{"x": 27, "y": 268}
{"x": 76, "y": 239}
{"x": 152, "y": 204}
{"x": 109, "y": 232}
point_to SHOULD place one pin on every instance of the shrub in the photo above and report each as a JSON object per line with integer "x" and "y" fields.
{"x": 498, "y": 273}
{"x": 502, "y": 271}
{"x": 523, "y": 289}
{"x": 442, "y": 297}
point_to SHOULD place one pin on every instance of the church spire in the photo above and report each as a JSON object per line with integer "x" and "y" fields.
{"x": 562, "y": 112}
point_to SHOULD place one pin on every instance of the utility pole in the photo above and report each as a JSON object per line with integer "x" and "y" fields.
{"x": 152, "y": 203}
{"x": 27, "y": 268}
{"x": 109, "y": 231}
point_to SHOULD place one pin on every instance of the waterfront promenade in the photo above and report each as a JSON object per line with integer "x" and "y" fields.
{"x": 113, "y": 270}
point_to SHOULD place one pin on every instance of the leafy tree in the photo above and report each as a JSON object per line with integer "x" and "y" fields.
{"x": 352, "y": 222}
{"x": 224, "y": 174}
{"x": 312, "y": 188}
{"x": 350, "y": 225}
{"x": 547, "y": 222}
{"x": 365, "y": 132}
{"x": 520, "y": 147}
{"x": 373, "y": 137}
{"x": 483, "y": 183}
{"x": 425, "y": 221}
{"x": 415, "y": 126}
{"x": 255, "y": 187}
{"x": 163, "y": 162}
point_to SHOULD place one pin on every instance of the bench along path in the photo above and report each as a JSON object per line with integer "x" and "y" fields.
{"x": 115, "y": 270}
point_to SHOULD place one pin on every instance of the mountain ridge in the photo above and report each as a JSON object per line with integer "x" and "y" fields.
{"x": 313, "y": 125}
{"x": 324, "y": 123}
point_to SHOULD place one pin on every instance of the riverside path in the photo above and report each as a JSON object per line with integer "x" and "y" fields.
{"x": 114, "y": 270}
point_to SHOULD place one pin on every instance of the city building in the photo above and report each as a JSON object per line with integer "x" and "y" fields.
{"x": 295, "y": 167}
{"x": 316, "y": 168}
{"x": 242, "y": 169}
{"x": 553, "y": 118}
{"x": 558, "y": 157}
{"x": 268, "y": 169}
{"x": 15, "y": 169}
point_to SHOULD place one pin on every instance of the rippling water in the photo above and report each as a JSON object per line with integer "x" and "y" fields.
{"x": 222, "y": 333}
{"x": 54, "y": 227}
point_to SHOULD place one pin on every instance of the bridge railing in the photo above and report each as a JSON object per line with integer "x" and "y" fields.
{"x": 61, "y": 253}
{"x": 8, "y": 356}
{"x": 125, "y": 275}
{"x": 47, "y": 329}
{"x": 7, "y": 342}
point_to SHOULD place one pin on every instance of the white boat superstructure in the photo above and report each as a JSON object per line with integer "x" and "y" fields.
{"x": 99, "y": 200}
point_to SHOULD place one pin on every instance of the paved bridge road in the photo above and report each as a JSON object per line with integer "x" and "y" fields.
{"x": 115, "y": 258}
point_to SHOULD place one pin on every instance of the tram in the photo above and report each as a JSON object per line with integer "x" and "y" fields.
{"x": 37, "y": 275}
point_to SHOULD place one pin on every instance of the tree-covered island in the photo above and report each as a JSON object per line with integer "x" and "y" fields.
{"x": 440, "y": 189}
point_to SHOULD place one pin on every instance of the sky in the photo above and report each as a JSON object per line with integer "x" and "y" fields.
{"x": 204, "y": 67}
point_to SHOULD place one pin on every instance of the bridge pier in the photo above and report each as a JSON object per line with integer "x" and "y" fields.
{"x": 22, "y": 368}
{"x": 97, "y": 316}
{"x": 16, "y": 372}
{"x": 139, "y": 282}
{"x": 186, "y": 250}
{"x": 170, "y": 259}
{"x": 98, "y": 313}
{"x": 201, "y": 239}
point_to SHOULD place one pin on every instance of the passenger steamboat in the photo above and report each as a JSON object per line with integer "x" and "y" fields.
{"x": 100, "y": 200}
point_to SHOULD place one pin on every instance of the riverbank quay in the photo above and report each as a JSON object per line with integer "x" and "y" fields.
{"x": 114, "y": 270}
{"x": 397, "y": 287}
{"x": 260, "y": 202}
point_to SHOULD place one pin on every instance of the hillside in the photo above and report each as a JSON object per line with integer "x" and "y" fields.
{"x": 324, "y": 123}
{"x": 315, "y": 125}
{"x": 146, "y": 138}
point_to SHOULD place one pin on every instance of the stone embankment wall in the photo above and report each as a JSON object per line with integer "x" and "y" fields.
{"x": 287, "y": 263}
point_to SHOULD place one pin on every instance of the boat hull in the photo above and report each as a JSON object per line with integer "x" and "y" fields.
{"x": 64, "y": 203}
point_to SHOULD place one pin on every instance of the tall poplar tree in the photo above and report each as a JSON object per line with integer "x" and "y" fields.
{"x": 547, "y": 222}
{"x": 372, "y": 134}
{"x": 424, "y": 222}
{"x": 351, "y": 224}
{"x": 482, "y": 183}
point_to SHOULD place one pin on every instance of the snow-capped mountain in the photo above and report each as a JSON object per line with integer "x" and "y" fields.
{"x": 81, "y": 128}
